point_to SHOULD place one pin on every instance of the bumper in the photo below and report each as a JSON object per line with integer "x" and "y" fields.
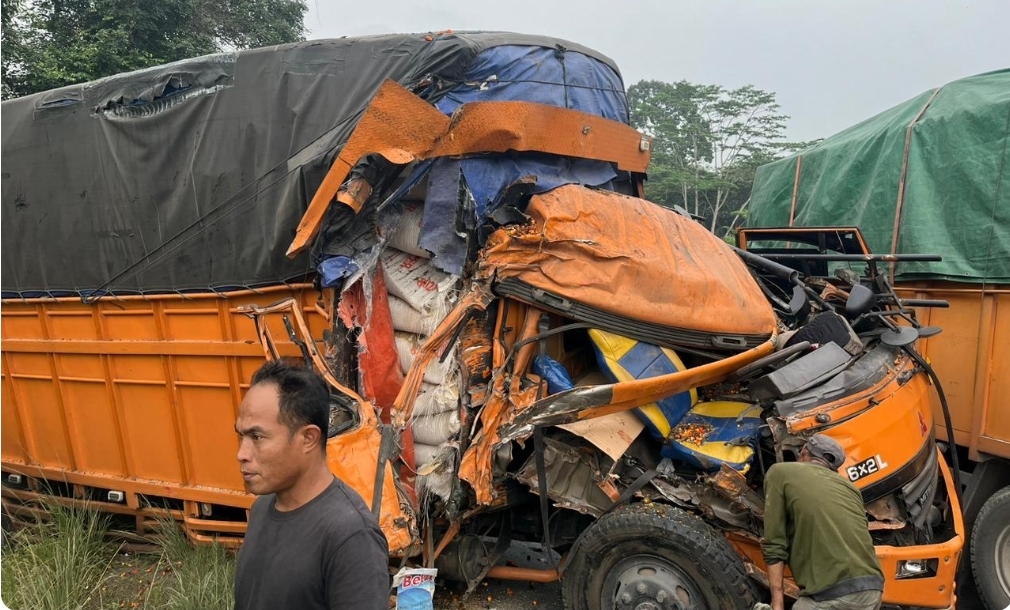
{"x": 935, "y": 590}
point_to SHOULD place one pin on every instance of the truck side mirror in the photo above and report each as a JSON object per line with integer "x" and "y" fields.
{"x": 861, "y": 300}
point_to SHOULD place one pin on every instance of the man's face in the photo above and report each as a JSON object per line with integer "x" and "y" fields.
{"x": 804, "y": 455}
{"x": 271, "y": 458}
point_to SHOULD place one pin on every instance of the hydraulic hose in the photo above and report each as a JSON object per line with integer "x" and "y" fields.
{"x": 951, "y": 445}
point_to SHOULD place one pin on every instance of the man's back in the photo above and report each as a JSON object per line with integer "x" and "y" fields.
{"x": 816, "y": 522}
{"x": 323, "y": 555}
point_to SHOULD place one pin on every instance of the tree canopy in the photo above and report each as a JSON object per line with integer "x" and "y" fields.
{"x": 707, "y": 142}
{"x": 53, "y": 43}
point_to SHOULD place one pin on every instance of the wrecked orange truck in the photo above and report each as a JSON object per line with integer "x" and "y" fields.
{"x": 450, "y": 229}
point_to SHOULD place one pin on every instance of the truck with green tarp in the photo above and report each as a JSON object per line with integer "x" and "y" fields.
{"x": 931, "y": 175}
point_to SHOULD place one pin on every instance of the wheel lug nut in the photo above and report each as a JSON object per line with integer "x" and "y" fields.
{"x": 641, "y": 588}
{"x": 625, "y": 599}
{"x": 661, "y": 596}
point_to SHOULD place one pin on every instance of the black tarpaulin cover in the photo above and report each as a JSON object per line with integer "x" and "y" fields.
{"x": 194, "y": 175}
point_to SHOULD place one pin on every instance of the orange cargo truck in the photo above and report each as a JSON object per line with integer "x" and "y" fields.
{"x": 931, "y": 176}
{"x": 450, "y": 229}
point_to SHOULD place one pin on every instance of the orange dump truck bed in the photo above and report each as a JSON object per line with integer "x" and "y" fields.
{"x": 971, "y": 356}
{"x": 135, "y": 395}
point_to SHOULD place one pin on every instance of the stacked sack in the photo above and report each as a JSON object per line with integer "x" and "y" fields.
{"x": 420, "y": 296}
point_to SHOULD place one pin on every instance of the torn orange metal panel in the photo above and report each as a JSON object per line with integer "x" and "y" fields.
{"x": 397, "y": 125}
{"x": 476, "y": 465}
{"x": 505, "y": 401}
{"x": 352, "y": 457}
{"x": 402, "y": 127}
{"x": 581, "y": 404}
{"x": 355, "y": 194}
{"x": 589, "y": 245}
{"x": 480, "y": 127}
{"x": 292, "y": 307}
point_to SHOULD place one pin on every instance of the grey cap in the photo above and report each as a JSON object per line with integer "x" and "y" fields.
{"x": 825, "y": 448}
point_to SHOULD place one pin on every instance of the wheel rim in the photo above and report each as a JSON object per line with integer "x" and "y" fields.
{"x": 1001, "y": 557}
{"x": 648, "y": 582}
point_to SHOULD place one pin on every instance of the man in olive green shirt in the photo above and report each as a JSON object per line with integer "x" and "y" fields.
{"x": 815, "y": 521}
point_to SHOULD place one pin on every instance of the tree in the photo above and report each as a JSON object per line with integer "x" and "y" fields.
{"x": 12, "y": 39}
{"x": 707, "y": 143}
{"x": 64, "y": 42}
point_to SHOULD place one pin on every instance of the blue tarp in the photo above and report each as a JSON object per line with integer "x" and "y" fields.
{"x": 553, "y": 76}
{"x": 546, "y": 76}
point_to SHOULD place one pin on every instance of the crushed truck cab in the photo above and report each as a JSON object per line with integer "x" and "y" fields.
{"x": 520, "y": 348}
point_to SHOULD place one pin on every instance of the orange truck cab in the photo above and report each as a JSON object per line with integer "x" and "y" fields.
{"x": 520, "y": 347}
{"x": 895, "y": 177}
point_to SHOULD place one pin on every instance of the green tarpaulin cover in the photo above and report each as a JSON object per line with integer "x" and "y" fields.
{"x": 956, "y": 196}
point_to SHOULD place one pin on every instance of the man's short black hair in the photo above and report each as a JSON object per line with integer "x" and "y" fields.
{"x": 304, "y": 396}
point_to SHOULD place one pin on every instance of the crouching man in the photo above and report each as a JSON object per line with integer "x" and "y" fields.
{"x": 816, "y": 522}
{"x": 311, "y": 544}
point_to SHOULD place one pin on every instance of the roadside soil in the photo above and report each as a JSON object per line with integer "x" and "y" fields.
{"x": 132, "y": 576}
{"x": 129, "y": 581}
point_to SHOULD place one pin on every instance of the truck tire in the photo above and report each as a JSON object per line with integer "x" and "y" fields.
{"x": 655, "y": 556}
{"x": 990, "y": 551}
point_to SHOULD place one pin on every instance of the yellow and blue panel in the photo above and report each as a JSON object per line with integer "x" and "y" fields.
{"x": 715, "y": 433}
{"x": 624, "y": 359}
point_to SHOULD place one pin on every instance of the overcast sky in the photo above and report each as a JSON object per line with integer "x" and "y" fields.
{"x": 832, "y": 63}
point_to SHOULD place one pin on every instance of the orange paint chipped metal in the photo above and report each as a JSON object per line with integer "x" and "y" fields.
{"x": 397, "y": 125}
{"x": 402, "y": 128}
{"x": 475, "y": 466}
{"x": 353, "y": 455}
{"x": 525, "y": 126}
{"x": 665, "y": 269}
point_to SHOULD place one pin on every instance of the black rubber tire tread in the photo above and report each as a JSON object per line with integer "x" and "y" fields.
{"x": 993, "y": 517}
{"x": 681, "y": 537}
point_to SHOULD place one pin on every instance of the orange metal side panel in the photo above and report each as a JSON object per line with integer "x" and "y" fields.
{"x": 93, "y": 419}
{"x": 12, "y": 442}
{"x": 954, "y": 353}
{"x": 996, "y": 417}
{"x": 970, "y": 357}
{"x": 135, "y": 391}
{"x": 36, "y": 398}
{"x": 150, "y": 434}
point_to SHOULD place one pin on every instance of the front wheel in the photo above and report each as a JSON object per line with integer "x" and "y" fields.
{"x": 990, "y": 550}
{"x": 655, "y": 557}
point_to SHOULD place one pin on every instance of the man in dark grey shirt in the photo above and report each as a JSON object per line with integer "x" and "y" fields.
{"x": 311, "y": 542}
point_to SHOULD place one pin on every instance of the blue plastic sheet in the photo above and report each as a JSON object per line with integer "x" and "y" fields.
{"x": 438, "y": 226}
{"x": 557, "y": 77}
{"x": 335, "y": 269}
{"x": 547, "y": 76}
{"x": 556, "y": 375}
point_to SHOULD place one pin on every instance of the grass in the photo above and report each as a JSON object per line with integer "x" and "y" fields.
{"x": 58, "y": 564}
{"x": 202, "y": 577}
{"x": 68, "y": 563}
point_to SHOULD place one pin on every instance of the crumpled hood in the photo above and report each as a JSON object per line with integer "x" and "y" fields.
{"x": 629, "y": 257}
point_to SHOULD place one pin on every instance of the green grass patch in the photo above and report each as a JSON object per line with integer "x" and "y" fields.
{"x": 202, "y": 576}
{"x": 56, "y": 564}
{"x": 67, "y": 562}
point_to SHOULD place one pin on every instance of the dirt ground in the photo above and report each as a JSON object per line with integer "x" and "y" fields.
{"x": 500, "y": 595}
{"x": 131, "y": 576}
{"x": 130, "y": 579}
